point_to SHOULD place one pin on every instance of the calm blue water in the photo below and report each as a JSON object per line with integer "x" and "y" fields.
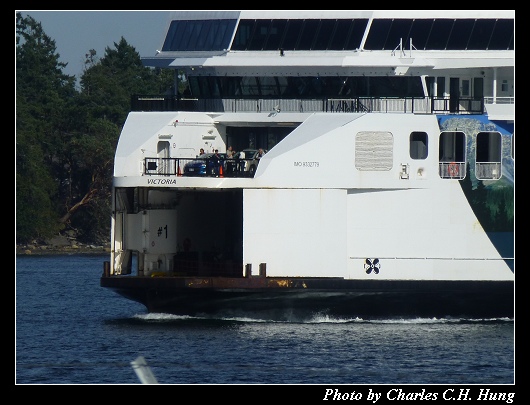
{"x": 69, "y": 330}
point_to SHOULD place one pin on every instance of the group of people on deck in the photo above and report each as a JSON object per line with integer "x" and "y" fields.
{"x": 234, "y": 161}
{"x": 232, "y": 154}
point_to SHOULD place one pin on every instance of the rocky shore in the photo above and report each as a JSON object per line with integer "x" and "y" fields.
{"x": 61, "y": 245}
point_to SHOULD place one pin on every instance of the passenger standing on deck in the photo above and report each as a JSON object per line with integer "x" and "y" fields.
{"x": 201, "y": 152}
{"x": 216, "y": 158}
{"x": 230, "y": 163}
{"x": 240, "y": 161}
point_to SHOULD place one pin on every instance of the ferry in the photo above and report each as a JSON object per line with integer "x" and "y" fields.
{"x": 386, "y": 187}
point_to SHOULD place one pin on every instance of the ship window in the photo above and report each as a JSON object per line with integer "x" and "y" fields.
{"x": 503, "y": 35}
{"x": 322, "y": 39}
{"x": 418, "y": 145}
{"x": 225, "y": 31}
{"x": 305, "y": 87}
{"x": 341, "y": 34}
{"x": 192, "y": 34}
{"x": 459, "y": 36}
{"x": 268, "y": 86}
{"x": 440, "y": 86}
{"x": 249, "y": 86}
{"x": 215, "y": 35}
{"x": 309, "y": 32}
{"x": 276, "y": 31}
{"x": 465, "y": 87}
{"x": 440, "y": 34}
{"x": 419, "y": 33}
{"x": 399, "y": 31}
{"x": 374, "y": 151}
{"x": 300, "y": 34}
{"x": 378, "y": 34}
{"x": 480, "y": 37}
{"x": 488, "y": 156}
{"x": 261, "y": 32}
{"x": 452, "y": 152}
{"x": 204, "y": 87}
{"x": 356, "y": 34}
{"x": 290, "y": 40}
{"x": 213, "y": 87}
{"x": 199, "y": 35}
{"x": 478, "y": 87}
{"x": 243, "y": 34}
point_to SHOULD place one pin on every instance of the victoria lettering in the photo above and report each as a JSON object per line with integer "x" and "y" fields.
{"x": 161, "y": 182}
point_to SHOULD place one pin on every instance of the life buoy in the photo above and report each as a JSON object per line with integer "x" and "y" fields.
{"x": 453, "y": 169}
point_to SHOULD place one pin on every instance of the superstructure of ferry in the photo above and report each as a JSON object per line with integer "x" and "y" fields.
{"x": 386, "y": 189}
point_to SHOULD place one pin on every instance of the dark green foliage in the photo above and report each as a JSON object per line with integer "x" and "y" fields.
{"x": 42, "y": 93}
{"x": 66, "y": 137}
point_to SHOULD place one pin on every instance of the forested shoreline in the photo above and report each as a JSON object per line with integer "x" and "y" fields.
{"x": 66, "y": 131}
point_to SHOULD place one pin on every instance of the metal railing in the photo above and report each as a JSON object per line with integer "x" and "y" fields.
{"x": 488, "y": 170}
{"x": 499, "y": 100}
{"x": 176, "y": 167}
{"x": 452, "y": 170}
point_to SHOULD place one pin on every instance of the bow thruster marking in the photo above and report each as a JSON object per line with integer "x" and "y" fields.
{"x": 372, "y": 265}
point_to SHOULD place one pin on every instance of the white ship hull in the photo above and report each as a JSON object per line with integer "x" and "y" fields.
{"x": 316, "y": 209}
{"x": 387, "y": 187}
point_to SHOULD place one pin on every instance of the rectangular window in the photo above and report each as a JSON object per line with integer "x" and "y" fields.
{"x": 418, "y": 145}
{"x": 465, "y": 88}
{"x": 452, "y": 152}
{"x": 488, "y": 156}
{"x": 440, "y": 86}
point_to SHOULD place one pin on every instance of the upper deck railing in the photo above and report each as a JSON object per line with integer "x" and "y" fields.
{"x": 499, "y": 100}
{"x": 422, "y": 105}
{"x": 229, "y": 167}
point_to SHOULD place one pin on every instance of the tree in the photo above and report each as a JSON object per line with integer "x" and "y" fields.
{"x": 43, "y": 95}
{"x": 107, "y": 85}
{"x": 65, "y": 138}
